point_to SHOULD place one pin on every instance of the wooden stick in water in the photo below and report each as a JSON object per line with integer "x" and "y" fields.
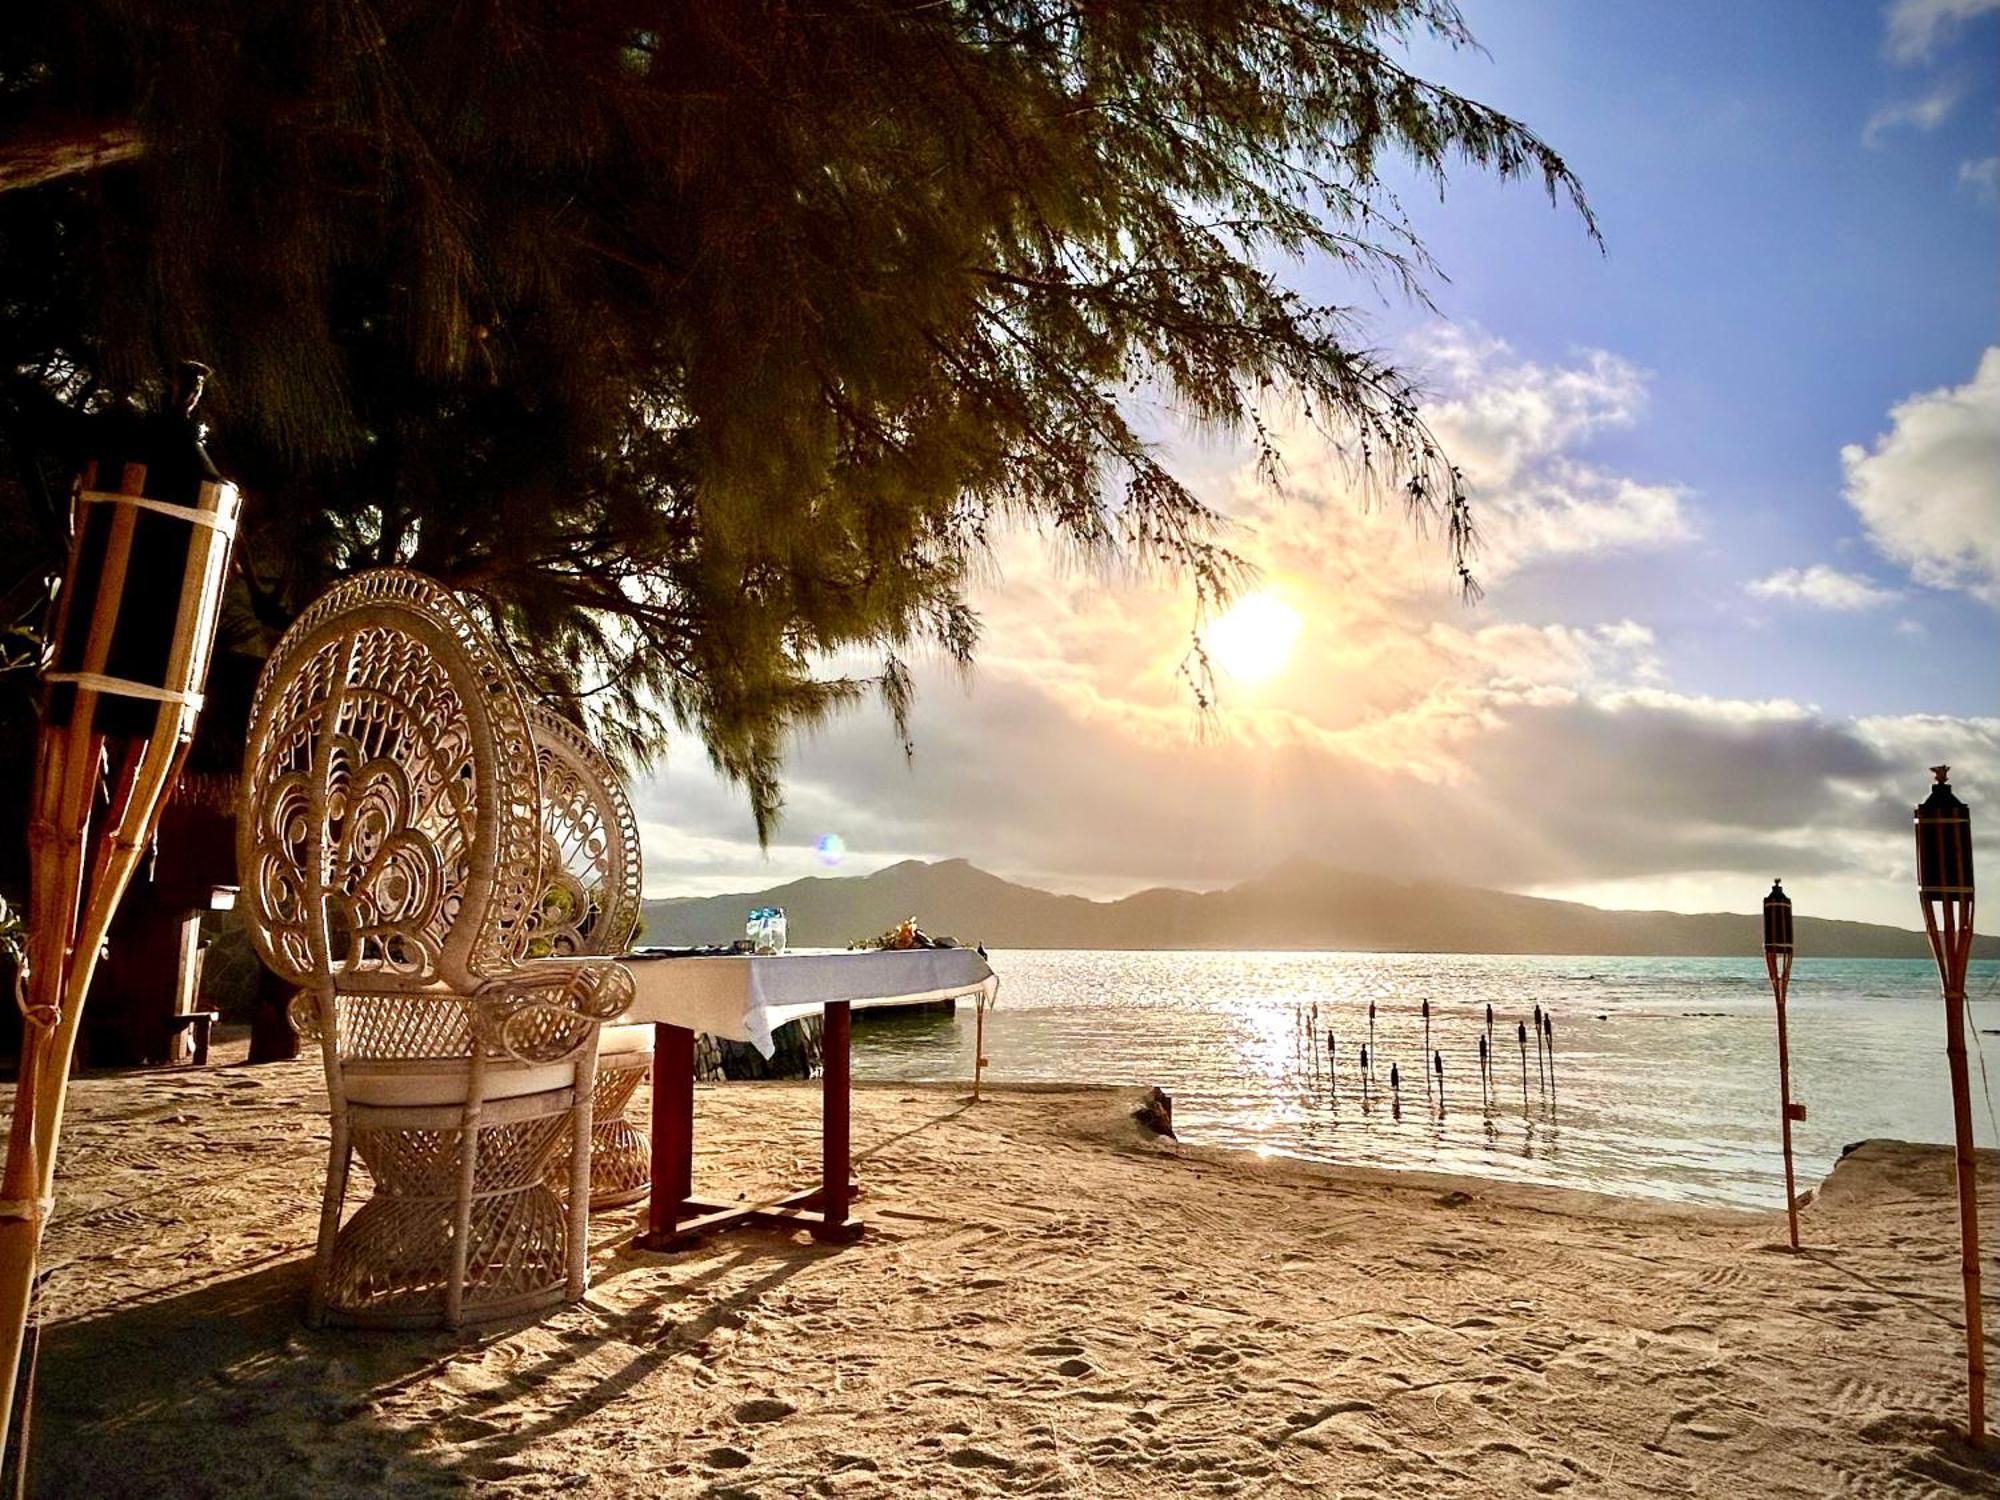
{"x": 1541, "y": 1075}
{"x": 1549, "y": 1036}
{"x": 1521, "y": 1034}
{"x": 1437, "y": 1066}
{"x": 1427, "y": 1040}
{"x": 1485, "y": 1073}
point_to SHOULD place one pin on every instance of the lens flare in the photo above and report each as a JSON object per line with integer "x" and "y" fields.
{"x": 831, "y": 849}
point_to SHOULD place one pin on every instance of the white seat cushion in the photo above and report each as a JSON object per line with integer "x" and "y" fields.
{"x": 446, "y": 1084}
{"x": 615, "y": 1039}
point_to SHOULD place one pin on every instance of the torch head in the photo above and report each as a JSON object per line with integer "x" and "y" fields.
{"x": 1944, "y": 844}
{"x": 1777, "y": 920}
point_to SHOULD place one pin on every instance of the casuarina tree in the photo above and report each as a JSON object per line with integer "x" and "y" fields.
{"x": 707, "y": 346}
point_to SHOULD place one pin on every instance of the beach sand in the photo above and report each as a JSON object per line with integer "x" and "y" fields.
{"x": 1048, "y": 1301}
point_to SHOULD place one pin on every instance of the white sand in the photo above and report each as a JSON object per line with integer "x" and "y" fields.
{"x": 1048, "y": 1302}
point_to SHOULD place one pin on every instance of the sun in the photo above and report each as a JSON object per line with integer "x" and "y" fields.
{"x": 1254, "y": 640}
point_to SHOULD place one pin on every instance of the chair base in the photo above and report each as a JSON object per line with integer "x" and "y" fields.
{"x": 391, "y": 1263}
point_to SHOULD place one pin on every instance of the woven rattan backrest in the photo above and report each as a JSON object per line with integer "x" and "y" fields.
{"x": 390, "y": 839}
{"x": 590, "y": 852}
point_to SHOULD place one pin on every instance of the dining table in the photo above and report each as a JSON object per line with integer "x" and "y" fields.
{"x": 745, "y": 997}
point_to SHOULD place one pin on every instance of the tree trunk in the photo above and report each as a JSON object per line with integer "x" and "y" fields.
{"x": 42, "y": 153}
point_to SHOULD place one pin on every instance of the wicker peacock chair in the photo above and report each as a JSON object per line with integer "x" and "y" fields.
{"x": 590, "y": 906}
{"x": 391, "y": 849}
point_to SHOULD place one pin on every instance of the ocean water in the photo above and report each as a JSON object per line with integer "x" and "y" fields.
{"x": 1664, "y": 1081}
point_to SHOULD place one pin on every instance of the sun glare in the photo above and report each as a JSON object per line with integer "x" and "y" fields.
{"x": 1254, "y": 640}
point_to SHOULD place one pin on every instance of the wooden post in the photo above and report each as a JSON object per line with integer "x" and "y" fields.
{"x": 1521, "y": 1035}
{"x": 1427, "y": 1042}
{"x": 673, "y": 1135}
{"x": 834, "y": 1225}
{"x": 978, "y": 1046}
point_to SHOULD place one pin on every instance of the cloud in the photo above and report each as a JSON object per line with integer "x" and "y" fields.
{"x": 1981, "y": 178}
{"x": 1917, "y": 28}
{"x": 1925, "y": 112}
{"x": 1512, "y": 426}
{"x": 1822, "y": 588}
{"x": 1928, "y": 490}
{"x": 1496, "y": 745}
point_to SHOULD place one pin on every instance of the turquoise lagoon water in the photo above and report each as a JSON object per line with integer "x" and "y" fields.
{"x": 1664, "y": 1083}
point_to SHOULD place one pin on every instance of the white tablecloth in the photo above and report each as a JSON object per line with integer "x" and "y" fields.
{"x": 744, "y": 998}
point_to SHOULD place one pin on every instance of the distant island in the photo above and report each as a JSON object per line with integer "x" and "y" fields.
{"x": 1303, "y": 904}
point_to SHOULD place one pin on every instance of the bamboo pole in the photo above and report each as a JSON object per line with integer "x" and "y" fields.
{"x": 1427, "y": 1042}
{"x": 1950, "y": 931}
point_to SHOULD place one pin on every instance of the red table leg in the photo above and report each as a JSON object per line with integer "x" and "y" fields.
{"x": 836, "y": 1097}
{"x": 673, "y": 1135}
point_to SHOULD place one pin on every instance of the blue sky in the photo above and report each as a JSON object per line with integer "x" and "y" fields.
{"x": 1783, "y": 272}
{"x": 1740, "y": 478}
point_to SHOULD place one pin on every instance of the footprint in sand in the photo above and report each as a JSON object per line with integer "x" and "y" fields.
{"x": 1215, "y": 1354}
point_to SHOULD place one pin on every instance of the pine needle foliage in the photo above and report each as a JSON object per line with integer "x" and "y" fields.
{"x": 708, "y": 345}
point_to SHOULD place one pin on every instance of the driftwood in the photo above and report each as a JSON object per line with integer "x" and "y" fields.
{"x": 1156, "y": 1113}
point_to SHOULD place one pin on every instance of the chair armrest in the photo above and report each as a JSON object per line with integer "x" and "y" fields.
{"x": 547, "y": 1009}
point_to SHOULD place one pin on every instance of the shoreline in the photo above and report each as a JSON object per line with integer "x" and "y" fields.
{"x": 1048, "y": 1300}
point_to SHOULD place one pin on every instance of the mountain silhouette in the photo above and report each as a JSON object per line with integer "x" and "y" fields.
{"x": 1300, "y": 904}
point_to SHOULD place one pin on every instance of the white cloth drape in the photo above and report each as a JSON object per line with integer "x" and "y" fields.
{"x": 744, "y": 998}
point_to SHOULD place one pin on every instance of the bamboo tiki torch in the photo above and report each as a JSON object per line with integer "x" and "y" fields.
{"x": 1549, "y": 1036}
{"x": 152, "y": 523}
{"x": 1427, "y": 1041}
{"x": 1778, "y": 964}
{"x": 1521, "y": 1035}
{"x": 1944, "y": 886}
{"x": 1541, "y": 1076}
